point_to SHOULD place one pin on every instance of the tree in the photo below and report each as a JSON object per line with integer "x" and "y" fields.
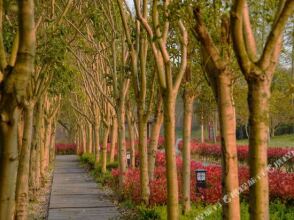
{"x": 138, "y": 54}
{"x": 169, "y": 85}
{"x": 216, "y": 64}
{"x": 258, "y": 72}
{"x": 15, "y": 77}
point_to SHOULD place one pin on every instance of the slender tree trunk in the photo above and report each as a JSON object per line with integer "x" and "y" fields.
{"x": 52, "y": 141}
{"x": 113, "y": 139}
{"x": 32, "y": 176}
{"x": 35, "y": 151}
{"x": 37, "y": 169}
{"x": 42, "y": 148}
{"x": 153, "y": 145}
{"x": 202, "y": 128}
{"x": 22, "y": 185}
{"x": 97, "y": 142}
{"x": 84, "y": 139}
{"x": 9, "y": 163}
{"x": 121, "y": 142}
{"x": 258, "y": 102}
{"x": 48, "y": 131}
{"x": 169, "y": 101}
{"x": 90, "y": 138}
{"x": 144, "y": 177}
{"x": 227, "y": 118}
{"x": 104, "y": 149}
{"x": 215, "y": 127}
{"x": 186, "y": 154}
{"x": 131, "y": 131}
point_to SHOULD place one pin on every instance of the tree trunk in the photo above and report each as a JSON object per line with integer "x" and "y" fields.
{"x": 48, "y": 131}
{"x": 84, "y": 139}
{"x": 104, "y": 149}
{"x": 90, "y": 138}
{"x": 202, "y": 128}
{"x": 113, "y": 139}
{"x": 22, "y": 185}
{"x": 186, "y": 153}
{"x": 144, "y": 178}
{"x": 8, "y": 162}
{"x": 35, "y": 151}
{"x": 131, "y": 131}
{"x": 121, "y": 142}
{"x": 97, "y": 142}
{"x": 227, "y": 118}
{"x": 153, "y": 144}
{"x": 42, "y": 148}
{"x": 52, "y": 141}
{"x": 258, "y": 102}
{"x": 169, "y": 101}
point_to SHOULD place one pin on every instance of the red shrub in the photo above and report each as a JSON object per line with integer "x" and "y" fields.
{"x": 280, "y": 183}
{"x": 65, "y": 148}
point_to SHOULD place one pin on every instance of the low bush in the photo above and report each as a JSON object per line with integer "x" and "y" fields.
{"x": 214, "y": 152}
{"x": 278, "y": 211}
{"x": 62, "y": 149}
{"x": 280, "y": 183}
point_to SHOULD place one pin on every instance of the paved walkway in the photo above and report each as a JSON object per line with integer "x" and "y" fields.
{"x": 75, "y": 195}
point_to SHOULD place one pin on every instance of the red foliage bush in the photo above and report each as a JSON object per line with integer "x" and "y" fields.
{"x": 65, "y": 148}
{"x": 214, "y": 151}
{"x": 280, "y": 183}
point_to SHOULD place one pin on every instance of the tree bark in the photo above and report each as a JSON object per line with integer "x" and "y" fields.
{"x": 37, "y": 143}
{"x": 169, "y": 101}
{"x": 42, "y": 149}
{"x": 144, "y": 177}
{"x": 84, "y": 139}
{"x": 9, "y": 162}
{"x": 153, "y": 144}
{"x": 22, "y": 186}
{"x": 52, "y": 141}
{"x": 227, "y": 118}
{"x": 202, "y": 128}
{"x": 121, "y": 142}
{"x": 113, "y": 139}
{"x": 48, "y": 131}
{"x": 186, "y": 153}
{"x": 97, "y": 142}
{"x": 258, "y": 102}
{"x": 89, "y": 138}
{"x": 131, "y": 131}
{"x": 104, "y": 149}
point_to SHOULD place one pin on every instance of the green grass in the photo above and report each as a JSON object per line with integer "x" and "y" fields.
{"x": 278, "y": 211}
{"x": 278, "y": 141}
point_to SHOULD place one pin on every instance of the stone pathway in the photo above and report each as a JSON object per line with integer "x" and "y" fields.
{"x": 75, "y": 195}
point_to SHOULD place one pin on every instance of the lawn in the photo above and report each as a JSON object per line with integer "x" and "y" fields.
{"x": 278, "y": 211}
{"x": 278, "y": 141}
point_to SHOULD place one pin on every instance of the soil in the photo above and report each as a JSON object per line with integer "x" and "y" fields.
{"x": 38, "y": 208}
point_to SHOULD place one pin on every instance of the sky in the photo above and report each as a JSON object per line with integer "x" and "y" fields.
{"x": 130, "y": 3}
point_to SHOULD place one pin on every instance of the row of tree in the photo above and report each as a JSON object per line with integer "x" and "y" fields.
{"x": 30, "y": 99}
{"x": 148, "y": 55}
{"x": 115, "y": 65}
